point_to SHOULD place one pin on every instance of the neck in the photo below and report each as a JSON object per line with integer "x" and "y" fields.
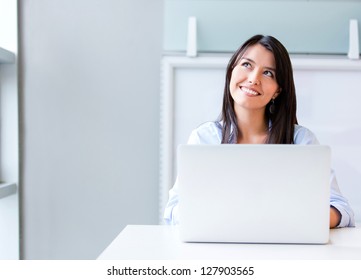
{"x": 252, "y": 126}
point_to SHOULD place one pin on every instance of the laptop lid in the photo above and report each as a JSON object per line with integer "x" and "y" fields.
{"x": 254, "y": 193}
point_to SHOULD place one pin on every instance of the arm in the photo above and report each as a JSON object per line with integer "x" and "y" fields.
{"x": 341, "y": 213}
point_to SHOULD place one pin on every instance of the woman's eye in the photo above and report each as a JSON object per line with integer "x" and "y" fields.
{"x": 246, "y": 64}
{"x": 268, "y": 73}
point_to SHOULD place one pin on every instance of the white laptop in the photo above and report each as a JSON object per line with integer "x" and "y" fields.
{"x": 254, "y": 193}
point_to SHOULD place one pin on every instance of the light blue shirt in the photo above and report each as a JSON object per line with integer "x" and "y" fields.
{"x": 211, "y": 133}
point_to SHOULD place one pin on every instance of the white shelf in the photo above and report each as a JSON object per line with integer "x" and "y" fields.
{"x": 326, "y": 63}
{"x": 299, "y": 62}
{"x": 6, "y": 56}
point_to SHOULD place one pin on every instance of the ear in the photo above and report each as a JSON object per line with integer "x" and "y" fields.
{"x": 276, "y": 93}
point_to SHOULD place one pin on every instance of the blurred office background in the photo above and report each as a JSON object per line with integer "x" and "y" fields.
{"x": 81, "y": 104}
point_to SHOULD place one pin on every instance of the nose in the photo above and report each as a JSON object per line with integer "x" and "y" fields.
{"x": 253, "y": 78}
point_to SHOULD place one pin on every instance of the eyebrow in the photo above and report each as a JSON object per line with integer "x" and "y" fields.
{"x": 250, "y": 60}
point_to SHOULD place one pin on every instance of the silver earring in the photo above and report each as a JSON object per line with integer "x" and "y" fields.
{"x": 272, "y": 107}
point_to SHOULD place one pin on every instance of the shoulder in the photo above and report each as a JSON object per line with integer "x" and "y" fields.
{"x": 304, "y": 136}
{"x": 206, "y": 133}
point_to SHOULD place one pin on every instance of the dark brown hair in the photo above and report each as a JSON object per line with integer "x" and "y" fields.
{"x": 283, "y": 120}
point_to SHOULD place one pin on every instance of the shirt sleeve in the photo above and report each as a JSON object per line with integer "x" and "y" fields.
{"x": 338, "y": 201}
{"x": 207, "y": 133}
{"x": 171, "y": 216}
{"x": 303, "y": 136}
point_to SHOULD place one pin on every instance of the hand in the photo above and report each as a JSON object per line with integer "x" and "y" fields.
{"x": 335, "y": 217}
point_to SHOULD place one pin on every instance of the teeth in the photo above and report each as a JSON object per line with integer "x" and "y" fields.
{"x": 249, "y": 91}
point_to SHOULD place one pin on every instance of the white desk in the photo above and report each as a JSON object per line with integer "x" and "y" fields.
{"x": 139, "y": 242}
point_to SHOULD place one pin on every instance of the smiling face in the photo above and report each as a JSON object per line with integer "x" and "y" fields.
{"x": 253, "y": 81}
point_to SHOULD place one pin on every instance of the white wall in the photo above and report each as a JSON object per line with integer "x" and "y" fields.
{"x": 9, "y": 137}
{"x": 90, "y": 122}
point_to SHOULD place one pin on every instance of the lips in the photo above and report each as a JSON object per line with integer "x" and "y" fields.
{"x": 249, "y": 91}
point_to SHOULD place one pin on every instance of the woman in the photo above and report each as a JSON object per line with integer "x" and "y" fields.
{"x": 259, "y": 107}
